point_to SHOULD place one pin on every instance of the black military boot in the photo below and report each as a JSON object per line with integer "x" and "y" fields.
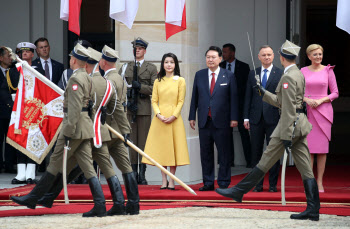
{"x": 118, "y": 197}
{"x": 99, "y": 208}
{"x": 135, "y": 169}
{"x": 132, "y": 192}
{"x": 142, "y": 177}
{"x": 56, "y": 188}
{"x": 244, "y": 186}
{"x": 30, "y": 200}
{"x": 313, "y": 202}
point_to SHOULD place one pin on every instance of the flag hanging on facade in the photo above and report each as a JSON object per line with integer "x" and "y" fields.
{"x": 175, "y": 17}
{"x": 36, "y": 116}
{"x": 70, "y": 11}
{"x": 124, "y": 11}
{"x": 343, "y": 16}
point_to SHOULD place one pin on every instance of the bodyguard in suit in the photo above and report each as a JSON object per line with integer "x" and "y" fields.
{"x": 240, "y": 71}
{"x": 260, "y": 117}
{"x": 214, "y": 95}
{"x": 53, "y": 69}
{"x": 8, "y": 86}
{"x": 291, "y": 132}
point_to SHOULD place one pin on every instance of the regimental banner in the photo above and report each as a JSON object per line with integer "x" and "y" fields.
{"x": 36, "y": 116}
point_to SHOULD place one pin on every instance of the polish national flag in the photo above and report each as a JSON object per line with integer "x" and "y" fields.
{"x": 70, "y": 11}
{"x": 343, "y": 16}
{"x": 175, "y": 17}
{"x": 124, "y": 11}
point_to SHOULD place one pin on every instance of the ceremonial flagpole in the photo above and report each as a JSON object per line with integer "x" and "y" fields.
{"x": 151, "y": 160}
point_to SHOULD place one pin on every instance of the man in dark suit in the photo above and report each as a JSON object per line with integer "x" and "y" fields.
{"x": 241, "y": 71}
{"x": 215, "y": 96}
{"x": 260, "y": 117}
{"x": 8, "y": 86}
{"x": 53, "y": 69}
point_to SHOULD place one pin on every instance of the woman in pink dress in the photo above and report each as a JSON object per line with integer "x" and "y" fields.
{"x": 318, "y": 78}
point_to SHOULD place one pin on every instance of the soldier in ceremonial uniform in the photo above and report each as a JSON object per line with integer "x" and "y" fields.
{"x": 112, "y": 145}
{"x": 147, "y": 73}
{"x": 77, "y": 129}
{"x": 117, "y": 119}
{"x": 291, "y": 132}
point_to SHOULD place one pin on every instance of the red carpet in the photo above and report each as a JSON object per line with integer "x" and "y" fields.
{"x": 335, "y": 200}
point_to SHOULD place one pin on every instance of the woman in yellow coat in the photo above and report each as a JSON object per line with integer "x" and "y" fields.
{"x": 166, "y": 141}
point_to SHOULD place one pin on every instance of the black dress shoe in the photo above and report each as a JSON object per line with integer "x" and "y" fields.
{"x": 207, "y": 188}
{"x": 31, "y": 181}
{"x": 15, "y": 181}
{"x": 273, "y": 189}
{"x": 258, "y": 189}
{"x": 167, "y": 183}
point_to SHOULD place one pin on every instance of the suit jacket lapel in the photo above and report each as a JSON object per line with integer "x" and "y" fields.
{"x": 2, "y": 77}
{"x": 218, "y": 81}
{"x": 271, "y": 76}
{"x": 206, "y": 82}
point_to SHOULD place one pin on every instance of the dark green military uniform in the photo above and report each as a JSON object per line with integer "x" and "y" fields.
{"x": 146, "y": 76}
{"x": 76, "y": 124}
{"x": 289, "y": 97}
{"x": 119, "y": 122}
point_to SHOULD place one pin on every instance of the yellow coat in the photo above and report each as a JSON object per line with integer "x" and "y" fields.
{"x": 166, "y": 143}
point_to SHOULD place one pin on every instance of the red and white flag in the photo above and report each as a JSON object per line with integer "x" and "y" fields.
{"x": 175, "y": 17}
{"x": 343, "y": 16}
{"x": 124, "y": 11}
{"x": 97, "y": 120}
{"x": 70, "y": 11}
{"x": 36, "y": 116}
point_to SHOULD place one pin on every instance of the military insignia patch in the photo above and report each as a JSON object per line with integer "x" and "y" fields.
{"x": 75, "y": 87}
{"x": 285, "y": 85}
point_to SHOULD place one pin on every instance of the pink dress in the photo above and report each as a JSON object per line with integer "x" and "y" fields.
{"x": 321, "y": 118}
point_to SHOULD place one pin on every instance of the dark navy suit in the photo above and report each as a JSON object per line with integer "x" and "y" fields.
{"x": 263, "y": 119}
{"x": 223, "y": 104}
{"x": 57, "y": 69}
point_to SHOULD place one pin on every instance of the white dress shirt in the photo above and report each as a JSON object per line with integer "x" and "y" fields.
{"x": 141, "y": 62}
{"x": 48, "y": 63}
{"x": 267, "y": 73}
{"x": 217, "y": 71}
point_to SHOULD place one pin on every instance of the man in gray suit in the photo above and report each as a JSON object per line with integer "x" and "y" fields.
{"x": 260, "y": 117}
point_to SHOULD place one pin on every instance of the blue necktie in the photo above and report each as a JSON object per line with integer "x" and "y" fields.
{"x": 264, "y": 79}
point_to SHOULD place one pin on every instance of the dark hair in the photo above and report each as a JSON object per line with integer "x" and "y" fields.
{"x": 162, "y": 72}
{"x": 41, "y": 39}
{"x": 231, "y": 46}
{"x": 265, "y": 46}
{"x": 3, "y": 50}
{"x": 214, "y": 48}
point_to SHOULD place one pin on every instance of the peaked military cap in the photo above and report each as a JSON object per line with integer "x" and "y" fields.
{"x": 139, "y": 42}
{"x": 109, "y": 54}
{"x": 26, "y": 46}
{"x": 95, "y": 56}
{"x": 84, "y": 43}
{"x": 289, "y": 50}
{"x": 80, "y": 52}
